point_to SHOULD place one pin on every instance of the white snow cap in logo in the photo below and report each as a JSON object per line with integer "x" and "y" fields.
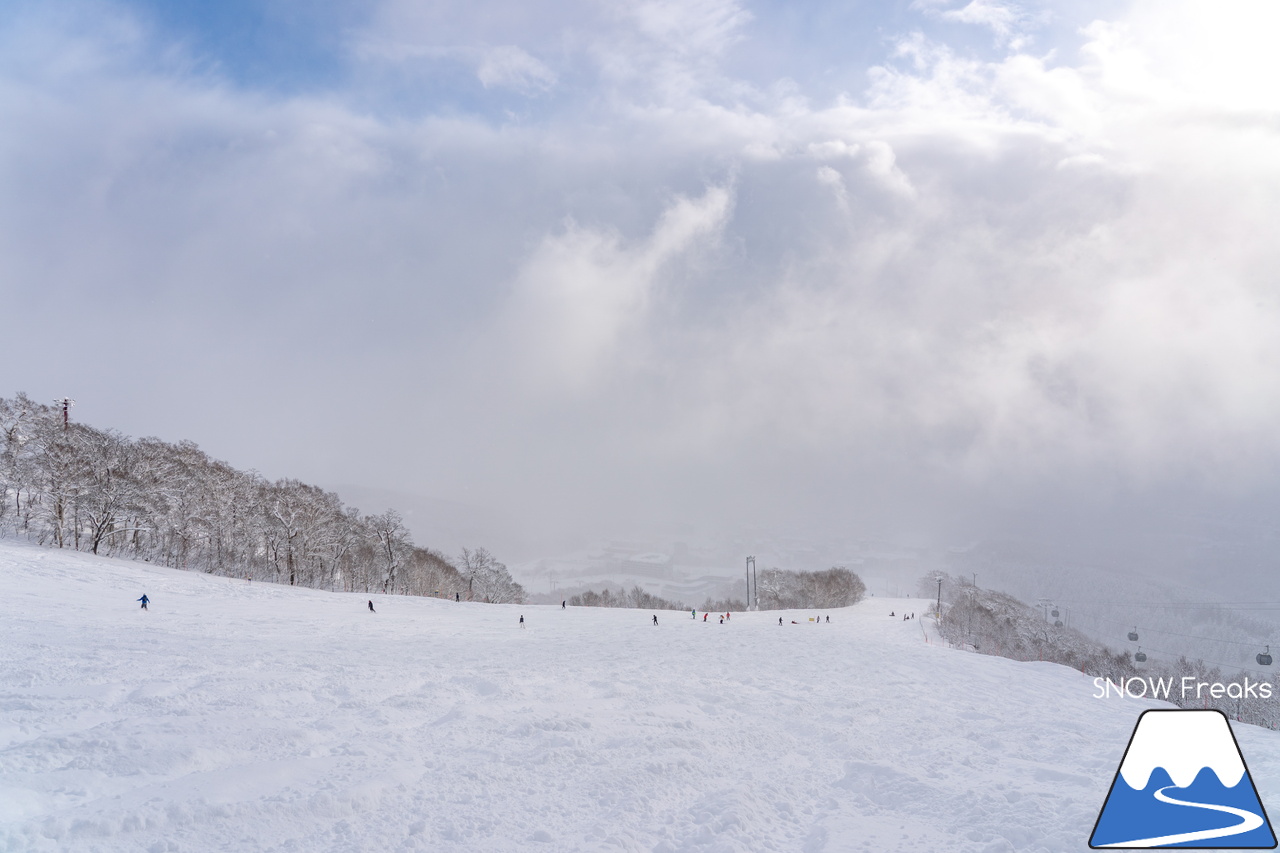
{"x": 1183, "y": 743}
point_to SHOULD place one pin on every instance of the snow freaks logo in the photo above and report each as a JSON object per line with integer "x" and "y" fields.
{"x": 1183, "y": 783}
{"x": 1139, "y": 687}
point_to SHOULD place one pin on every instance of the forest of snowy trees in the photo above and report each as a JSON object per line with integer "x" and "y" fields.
{"x": 995, "y": 623}
{"x": 779, "y": 589}
{"x": 69, "y": 485}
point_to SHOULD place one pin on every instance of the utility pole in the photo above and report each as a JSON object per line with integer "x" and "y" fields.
{"x": 938, "y": 611}
{"x": 67, "y": 403}
{"x": 751, "y": 569}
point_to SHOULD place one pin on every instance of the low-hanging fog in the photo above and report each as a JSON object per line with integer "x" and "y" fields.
{"x": 932, "y": 271}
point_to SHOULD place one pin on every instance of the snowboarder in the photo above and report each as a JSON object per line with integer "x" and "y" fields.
{"x": 521, "y": 620}
{"x": 890, "y": 612}
{"x": 564, "y": 603}
{"x": 828, "y": 620}
{"x": 144, "y": 601}
{"x": 655, "y": 620}
{"x": 693, "y": 614}
{"x": 779, "y": 620}
{"x": 371, "y": 610}
{"x": 721, "y": 620}
{"x": 704, "y": 616}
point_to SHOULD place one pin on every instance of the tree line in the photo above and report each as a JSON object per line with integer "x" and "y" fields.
{"x": 996, "y": 623}
{"x": 778, "y": 589}
{"x": 70, "y": 485}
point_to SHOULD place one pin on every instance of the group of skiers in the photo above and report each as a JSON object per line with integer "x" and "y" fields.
{"x": 723, "y": 617}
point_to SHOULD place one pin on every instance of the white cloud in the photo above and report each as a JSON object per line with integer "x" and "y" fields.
{"x": 586, "y": 293}
{"x": 833, "y": 179}
{"x": 1003, "y": 19}
{"x": 510, "y": 67}
{"x": 1036, "y": 268}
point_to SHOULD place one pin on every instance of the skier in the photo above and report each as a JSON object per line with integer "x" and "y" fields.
{"x": 828, "y": 620}
{"x": 564, "y": 603}
{"x": 721, "y": 620}
{"x": 704, "y": 616}
{"x": 655, "y": 620}
{"x": 521, "y": 620}
{"x": 693, "y": 614}
{"x": 371, "y": 610}
{"x": 779, "y": 620}
{"x": 144, "y": 601}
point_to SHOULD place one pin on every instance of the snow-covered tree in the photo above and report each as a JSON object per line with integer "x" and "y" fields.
{"x": 74, "y": 486}
{"x": 487, "y": 579}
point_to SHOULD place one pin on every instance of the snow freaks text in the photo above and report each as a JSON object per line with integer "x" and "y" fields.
{"x": 1149, "y": 687}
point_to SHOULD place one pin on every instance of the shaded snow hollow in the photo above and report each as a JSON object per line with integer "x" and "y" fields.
{"x": 253, "y": 717}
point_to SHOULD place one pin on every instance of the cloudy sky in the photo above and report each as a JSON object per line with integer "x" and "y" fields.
{"x": 932, "y": 265}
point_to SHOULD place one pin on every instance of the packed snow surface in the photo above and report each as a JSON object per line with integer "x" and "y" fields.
{"x": 246, "y": 717}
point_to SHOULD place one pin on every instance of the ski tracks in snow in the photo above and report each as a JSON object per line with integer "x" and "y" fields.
{"x": 255, "y": 718}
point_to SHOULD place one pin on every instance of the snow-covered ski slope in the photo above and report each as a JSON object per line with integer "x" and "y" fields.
{"x": 248, "y": 717}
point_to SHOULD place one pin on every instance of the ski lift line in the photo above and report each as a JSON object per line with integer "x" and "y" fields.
{"x": 1269, "y": 676}
{"x": 1170, "y": 633}
{"x": 1224, "y": 605}
{"x": 1231, "y": 666}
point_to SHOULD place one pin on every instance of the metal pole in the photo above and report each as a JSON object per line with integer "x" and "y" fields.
{"x": 938, "y": 611}
{"x": 67, "y": 403}
{"x": 751, "y": 564}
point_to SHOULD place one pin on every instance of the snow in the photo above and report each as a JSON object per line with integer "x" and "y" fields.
{"x": 254, "y": 717}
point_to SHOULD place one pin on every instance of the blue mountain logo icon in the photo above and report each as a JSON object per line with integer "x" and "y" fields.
{"x": 1183, "y": 783}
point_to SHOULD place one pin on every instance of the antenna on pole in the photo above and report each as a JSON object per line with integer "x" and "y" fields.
{"x": 66, "y": 403}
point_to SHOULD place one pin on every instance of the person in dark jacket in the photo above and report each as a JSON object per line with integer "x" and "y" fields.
{"x": 371, "y": 610}
{"x": 144, "y": 601}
